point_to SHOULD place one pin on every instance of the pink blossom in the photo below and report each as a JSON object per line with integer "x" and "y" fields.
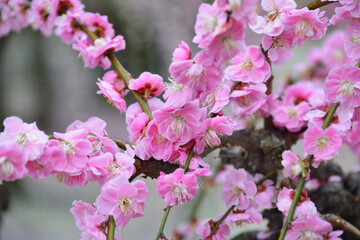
{"x": 180, "y": 125}
{"x": 28, "y": 136}
{"x": 122, "y": 200}
{"x": 218, "y": 98}
{"x": 213, "y": 126}
{"x": 289, "y": 116}
{"x": 200, "y": 74}
{"x": 88, "y": 220}
{"x": 247, "y": 97}
{"x": 342, "y": 85}
{"x": 333, "y": 53}
{"x": 158, "y": 146}
{"x": 299, "y": 92}
{"x": 247, "y": 216}
{"x": 77, "y": 149}
{"x": 280, "y": 48}
{"x": 265, "y": 192}
{"x": 307, "y": 24}
{"x": 176, "y": 95}
{"x": 44, "y": 166}
{"x": 137, "y": 120}
{"x": 98, "y": 24}
{"x": 294, "y": 166}
{"x": 309, "y": 227}
{"x": 122, "y": 165}
{"x": 236, "y": 187}
{"x": 249, "y": 67}
{"x": 352, "y": 40}
{"x": 351, "y": 6}
{"x": 210, "y": 22}
{"x": 12, "y": 161}
{"x": 182, "y": 52}
{"x": 205, "y": 227}
{"x": 341, "y": 121}
{"x": 96, "y": 54}
{"x": 304, "y": 207}
{"x": 323, "y": 144}
{"x": 44, "y": 14}
{"x": 66, "y": 27}
{"x": 272, "y": 24}
{"x": 97, "y": 167}
{"x": 229, "y": 43}
{"x": 177, "y": 187}
{"x": 239, "y": 9}
{"x": 14, "y": 16}
{"x": 148, "y": 85}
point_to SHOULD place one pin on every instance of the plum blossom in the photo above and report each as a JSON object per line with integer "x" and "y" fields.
{"x": 28, "y": 136}
{"x": 205, "y": 227}
{"x": 210, "y": 22}
{"x": 180, "y": 125}
{"x": 310, "y": 227}
{"x": 294, "y": 166}
{"x": 304, "y": 208}
{"x": 12, "y": 162}
{"x": 323, "y": 144}
{"x": 122, "y": 200}
{"x": 177, "y": 187}
{"x": 265, "y": 192}
{"x": 352, "y": 40}
{"x": 249, "y": 67}
{"x": 342, "y": 85}
{"x": 306, "y": 24}
{"x": 96, "y": 54}
{"x": 272, "y": 24}
{"x": 148, "y": 85}
{"x": 236, "y": 187}
{"x": 279, "y": 47}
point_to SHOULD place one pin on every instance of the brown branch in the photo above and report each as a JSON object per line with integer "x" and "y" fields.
{"x": 261, "y": 149}
{"x": 337, "y": 221}
{"x": 317, "y": 4}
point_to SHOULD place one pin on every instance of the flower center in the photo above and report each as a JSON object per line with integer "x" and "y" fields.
{"x": 292, "y": 113}
{"x": 210, "y": 22}
{"x": 211, "y": 138}
{"x": 346, "y": 88}
{"x": 178, "y": 125}
{"x": 114, "y": 168}
{"x": 355, "y": 38}
{"x": 173, "y": 86}
{"x": 180, "y": 192}
{"x": 210, "y": 99}
{"x": 272, "y": 16}
{"x": 303, "y": 28}
{"x": 68, "y": 147}
{"x": 195, "y": 72}
{"x": 247, "y": 65}
{"x": 308, "y": 234}
{"x": 228, "y": 43}
{"x": 160, "y": 139}
{"x": 235, "y": 4}
{"x": 6, "y": 167}
{"x": 322, "y": 142}
{"x": 236, "y": 191}
{"x": 21, "y": 139}
{"x": 127, "y": 206}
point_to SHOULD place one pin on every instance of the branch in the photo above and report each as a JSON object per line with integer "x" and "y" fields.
{"x": 317, "y": 4}
{"x": 217, "y": 225}
{"x": 123, "y": 73}
{"x": 337, "y": 221}
{"x": 302, "y": 180}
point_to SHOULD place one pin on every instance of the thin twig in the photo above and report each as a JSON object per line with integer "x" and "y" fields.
{"x": 337, "y": 221}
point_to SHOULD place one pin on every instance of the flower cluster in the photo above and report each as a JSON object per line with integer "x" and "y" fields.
{"x": 174, "y": 122}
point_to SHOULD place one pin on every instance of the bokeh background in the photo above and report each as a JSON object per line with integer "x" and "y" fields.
{"x": 43, "y": 80}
